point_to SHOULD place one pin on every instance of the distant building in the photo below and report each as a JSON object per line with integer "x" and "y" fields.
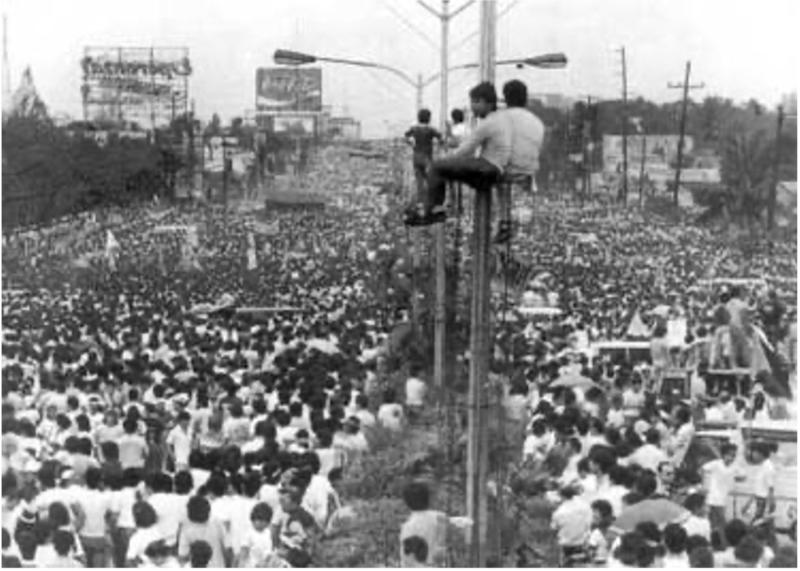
{"x": 660, "y": 151}
{"x": 344, "y": 128}
{"x": 789, "y": 102}
{"x": 557, "y": 100}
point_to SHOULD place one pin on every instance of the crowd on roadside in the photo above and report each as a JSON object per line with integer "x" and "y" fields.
{"x": 138, "y": 432}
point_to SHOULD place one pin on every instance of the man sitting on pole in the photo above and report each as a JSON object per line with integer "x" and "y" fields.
{"x": 492, "y": 137}
{"x": 527, "y": 136}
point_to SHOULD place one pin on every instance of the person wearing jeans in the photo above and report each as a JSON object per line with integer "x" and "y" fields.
{"x": 492, "y": 137}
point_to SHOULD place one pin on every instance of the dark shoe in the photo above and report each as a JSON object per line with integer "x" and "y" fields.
{"x": 504, "y": 232}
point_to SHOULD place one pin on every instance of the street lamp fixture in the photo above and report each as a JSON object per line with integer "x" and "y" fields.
{"x": 289, "y": 57}
{"x": 293, "y": 58}
{"x": 546, "y": 61}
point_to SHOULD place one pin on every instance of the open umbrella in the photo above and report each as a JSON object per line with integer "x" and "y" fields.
{"x": 323, "y": 345}
{"x": 661, "y": 311}
{"x": 572, "y": 380}
{"x": 660, "y": 511}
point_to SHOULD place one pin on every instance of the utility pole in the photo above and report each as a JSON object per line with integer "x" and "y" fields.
{"x": 440, "y": 315}
{"x": 587, "y": 153}
{"x": 641, "y": 166}
{"x": 624, "y": 193}
{"x": 686, "y": 87}
{"x": 480, "y": 334}
{"x": 776, "y": 163}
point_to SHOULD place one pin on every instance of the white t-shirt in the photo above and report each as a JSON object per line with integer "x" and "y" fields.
{"x": 181, "y": 443}
{"x": 140, "y": 539}
{"x": 648, "y": 457}
{"x": 390, "y": 416}
{"x": 698, "y": 526}
{"x": 670, "y": 561}
{"x": 315, "y": 500}
{"x": 170, "y": 509}
{"x": 763, "y": 477}
{"x": 259, "y": 546}
{"x": 234, "y": 513}
{"x": 415, "y": 392}
{"x": 599, "y": 545}
{"x": 572, "y": 521}
{"x": 366, "y": 418}
{"x": 95, "y": 504}
{"x": 720, "y": 480}
{"x": 269, "y": 495}
{"x": 124, "y": 500}
{"x": 538, "y": 446}
{"x": 431, "y": 526}
{"x": 329, "y": 458}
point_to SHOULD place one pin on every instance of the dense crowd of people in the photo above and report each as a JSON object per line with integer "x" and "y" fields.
{"x": 193, "y": 390}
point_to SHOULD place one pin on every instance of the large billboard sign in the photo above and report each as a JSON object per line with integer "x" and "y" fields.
{"x": 288, "y": 89}
{"x": 148, "y": 86}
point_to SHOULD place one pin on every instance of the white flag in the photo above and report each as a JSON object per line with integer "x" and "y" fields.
{"x": 111, "y": 242}
{"x": 252, "y": 260}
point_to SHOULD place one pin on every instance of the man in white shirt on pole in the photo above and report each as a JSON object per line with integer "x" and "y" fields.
{"x": 527, "y": 137}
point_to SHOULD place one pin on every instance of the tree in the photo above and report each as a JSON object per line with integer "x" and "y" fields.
{"x": 746, "y": 175}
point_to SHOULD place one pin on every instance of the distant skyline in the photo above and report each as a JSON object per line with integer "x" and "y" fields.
{"x": 740, "y": 49}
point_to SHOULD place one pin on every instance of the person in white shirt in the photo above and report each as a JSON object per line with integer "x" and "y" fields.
{"x": 362, "y": 412}
{"x": 179, "y": 441}
{"x": 697, "y": 523}
{"x": 256, "y": 545}
{"x": 648, "y": 456}
{"x": 98, "y": 518}
{"x": 169, "y": 507}
{"x": 633, "y": 398}
{"x": 572, "y": 522}
{"x": 762, "y": 475}
{"x": 458, "y": 128}
{"x": 684, "y": 433}
{"x": 430, "y": 525}
{"x": 539, "y": 443}
{"x": 233, "y": 509}
{"x": 318, "y": 499}
{"x": 599, "y": 541}
{"x": 351, "y": 440}
{"x": 615, "y": 418}
{"x": 390, "y": 413}
{"x": 719, "y": 477}
{"x": 527, "y": 137}
{"x": 416, "y": 389}
{"x": 146, "y": 533}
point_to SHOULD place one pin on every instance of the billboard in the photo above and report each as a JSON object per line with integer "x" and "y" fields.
{"x": 298, "y": 125}
{"x": 147, "y": 85}
{"x": 289, "y": 89}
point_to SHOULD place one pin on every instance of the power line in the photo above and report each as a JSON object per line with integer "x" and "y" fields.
{"x": 465, "y": 40}
{"x": 409, "y": 24}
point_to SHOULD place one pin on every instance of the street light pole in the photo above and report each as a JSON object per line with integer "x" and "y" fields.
{"x": 480, "y": 334}
{"x": 440, "y": 316}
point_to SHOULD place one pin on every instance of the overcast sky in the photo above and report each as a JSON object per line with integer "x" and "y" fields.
{"x": 739, "y": 48}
